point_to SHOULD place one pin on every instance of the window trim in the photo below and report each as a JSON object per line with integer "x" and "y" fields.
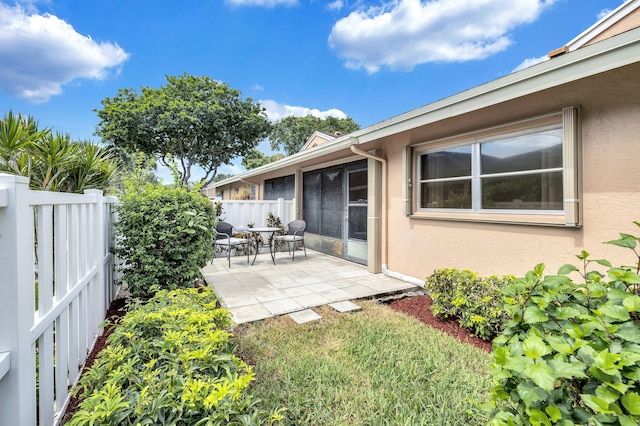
{"x": 567, "y": 120}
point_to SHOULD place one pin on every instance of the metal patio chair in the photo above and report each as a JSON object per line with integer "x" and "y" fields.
{"x": 223, "y": 237}
{"x": 294, "y": 233}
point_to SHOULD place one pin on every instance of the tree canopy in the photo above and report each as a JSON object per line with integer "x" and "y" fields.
{"x": 293, "y": 132}
{"x": 192, "y": 120}
{"x": 222, "y": 176}
{"x": 255, "y": 158}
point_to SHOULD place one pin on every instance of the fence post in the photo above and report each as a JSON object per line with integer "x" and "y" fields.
{"x": 99, "y": 292}
{"x": 17, "y": 304}
{"x": 281, "y": 211}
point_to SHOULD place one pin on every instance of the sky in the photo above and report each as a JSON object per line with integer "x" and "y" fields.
{"x": 368, "y": 60}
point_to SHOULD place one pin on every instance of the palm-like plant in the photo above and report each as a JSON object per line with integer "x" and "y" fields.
{"x": 52, "y": 161}
{"x": 17, "y": 133}
{"x": 93, "y": 167}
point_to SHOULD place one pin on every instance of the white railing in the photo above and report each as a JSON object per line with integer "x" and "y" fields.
{"x": 57, "y": 280}
{"x": 244, "y": 212}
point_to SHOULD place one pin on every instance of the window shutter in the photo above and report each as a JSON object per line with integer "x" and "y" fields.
{"x": 571, "y": 156}
{"x": 407, "y": 174}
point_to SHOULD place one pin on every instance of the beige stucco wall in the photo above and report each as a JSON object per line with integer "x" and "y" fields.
{"x": 610, "y": 106}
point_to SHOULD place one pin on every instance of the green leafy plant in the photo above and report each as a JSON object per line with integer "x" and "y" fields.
{"x": 164, "y": 235}
{"x": 274, "y": 221}
{"x": 170, "y": 361}
{"x": 570, "y": 354}
{"x": 474, "y": 301}
{"x": 219, "y": 210}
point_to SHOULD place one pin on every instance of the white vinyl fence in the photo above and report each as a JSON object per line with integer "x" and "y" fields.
{"x": 243, "y": 212}
{"x": 57, "y": 280}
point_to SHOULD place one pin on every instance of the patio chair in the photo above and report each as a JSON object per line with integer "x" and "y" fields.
{"x": 294, "y": 232}
{"x": 223, "y": 237}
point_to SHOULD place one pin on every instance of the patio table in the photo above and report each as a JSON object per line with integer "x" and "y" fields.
{"x": 256, "y": 231}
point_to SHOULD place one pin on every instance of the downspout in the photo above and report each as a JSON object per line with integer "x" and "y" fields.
{"x": 385, "y": 196}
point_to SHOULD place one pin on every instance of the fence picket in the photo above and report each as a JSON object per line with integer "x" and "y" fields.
{"x": 244, "y": 212}
{"x": 57, "y": 244}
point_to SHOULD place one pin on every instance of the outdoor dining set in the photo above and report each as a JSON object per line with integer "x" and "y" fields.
{"x": 229, "y": 237}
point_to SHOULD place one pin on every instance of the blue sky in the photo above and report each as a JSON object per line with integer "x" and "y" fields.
{"x": 370, "y": 60}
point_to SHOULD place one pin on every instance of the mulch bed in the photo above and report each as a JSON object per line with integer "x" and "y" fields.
{"x": 116, "y": 311}
{"x": 420, "y": 308}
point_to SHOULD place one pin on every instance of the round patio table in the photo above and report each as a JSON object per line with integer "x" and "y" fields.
{"x": 256, "y": 231}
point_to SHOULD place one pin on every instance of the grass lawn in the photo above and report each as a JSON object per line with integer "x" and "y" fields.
{"x": 374, "y": 367}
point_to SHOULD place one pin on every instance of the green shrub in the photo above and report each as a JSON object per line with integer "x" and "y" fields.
{"x": 570, "y": 353}
{"x": 164, "y": 235}
{"x": 170, "y": 361}
{"x": 474, "y": 301}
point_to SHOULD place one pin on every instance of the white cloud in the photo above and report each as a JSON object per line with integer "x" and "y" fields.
{"x": 263, "y": 3}
{"x": 277, "y": 111}
{"x": 40, "y": 53}
{"x": 335, "y": 5}
{"x": 530, "y": 62}
{"x": 401, "y": 34}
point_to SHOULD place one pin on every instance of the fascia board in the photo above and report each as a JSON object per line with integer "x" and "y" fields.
{"x": 609, "y": 54}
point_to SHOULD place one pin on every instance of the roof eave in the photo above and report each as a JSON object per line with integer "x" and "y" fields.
{"x": 609, "y": 54}
{"x": 606, "y": 55}
{"x": 318, "y": 151}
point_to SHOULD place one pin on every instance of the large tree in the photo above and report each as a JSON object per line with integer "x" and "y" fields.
{"x": 292, "y": 132}
{"x": 192, "y": 120}
{"x": 255, "y": 158}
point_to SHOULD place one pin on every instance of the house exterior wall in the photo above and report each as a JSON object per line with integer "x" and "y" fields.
{"x": 610, "y": 125}
{"x": 600, "y": 83}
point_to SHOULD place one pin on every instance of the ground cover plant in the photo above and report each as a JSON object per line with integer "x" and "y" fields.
{"x": 373, "y": 367}
{"x": 170, "y": 361}
{"x": 474, "y": 301}
{"x": 570, "y": 353}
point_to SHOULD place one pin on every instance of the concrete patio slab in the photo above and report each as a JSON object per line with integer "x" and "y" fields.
{"x": 307, "y": 315}
{"x": 259, "y": 291}
{"x": 345, "y": 306}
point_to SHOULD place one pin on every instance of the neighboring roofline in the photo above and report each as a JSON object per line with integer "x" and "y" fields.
{"x": 614, "y": 52}
{"x": 317, "y": 151}
{"x": 327, "y": 137}
{"x": 615, "y": 16}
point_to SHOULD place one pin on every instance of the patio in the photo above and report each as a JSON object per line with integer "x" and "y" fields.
{"x": 263, "y": 290}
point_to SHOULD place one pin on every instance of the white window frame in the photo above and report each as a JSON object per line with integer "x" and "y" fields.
{"x": 569, "y": 215}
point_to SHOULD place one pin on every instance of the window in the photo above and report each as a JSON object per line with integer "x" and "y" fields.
{"x": 522, "y": 172}
{"x": 357, "y": 204}
{"x": 330, "y": 194}
{"x": 322, "y": 202}
{"x": 527, "y": 168}
{"x": 282, "y": 187}
{"x": 445, "y": 179}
